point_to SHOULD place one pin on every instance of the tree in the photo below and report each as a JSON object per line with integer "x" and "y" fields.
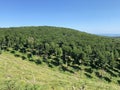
{"x": 116, "y": 54}
{"x": 29, "y": 55}
{"x": 59, "y": 52}
{"x": 47, "y": 48}
{"x": 0, "y": 51}
{"x": 112, "y": 60}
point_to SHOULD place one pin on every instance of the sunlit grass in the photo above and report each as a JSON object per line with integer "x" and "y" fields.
{"x": 18, "y": 74}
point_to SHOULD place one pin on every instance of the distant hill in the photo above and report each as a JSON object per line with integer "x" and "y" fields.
{"x": 66, "y": 50}
{"x": 110, "y": 35}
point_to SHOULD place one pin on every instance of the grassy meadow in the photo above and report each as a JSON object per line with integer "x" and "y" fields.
{"x": 18, "y": 74}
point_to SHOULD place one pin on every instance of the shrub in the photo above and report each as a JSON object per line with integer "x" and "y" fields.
{"x": 4, "y": 48}
{"x": 13, "y": 52}
{"x": 98, "y": 75}
{"x": 88, "y": 75}
{"x": 29, "y": 55}
{"x": 89, "y": 70}
{"x": 23, "y": 57}
{"x": 50, "y": 65}
{"x": 17, "y": 55}
{"x": 107, "y": 79}
{"x": 31, "y": 59}
{"x": 66, "y": 68}
{"x": 0, "y": 51}
{"x": 38, "y": 61}
{"x": 76, "y": 67}
{"x": 118, "y": 82}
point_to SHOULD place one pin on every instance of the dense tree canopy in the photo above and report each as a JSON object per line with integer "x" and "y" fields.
{"x": 62, "y": 46}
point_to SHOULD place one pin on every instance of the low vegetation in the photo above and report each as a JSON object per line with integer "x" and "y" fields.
{"x": 18, "y": 74}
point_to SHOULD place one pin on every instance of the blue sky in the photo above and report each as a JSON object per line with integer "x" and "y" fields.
{"x": 93, "y": 16}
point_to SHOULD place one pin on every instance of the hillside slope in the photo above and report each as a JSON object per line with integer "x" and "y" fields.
{"x": 68, "y": 47}
{"x": 60, "y": 52}
{"x": 18, "y": 74}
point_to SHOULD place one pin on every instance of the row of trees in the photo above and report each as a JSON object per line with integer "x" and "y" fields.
{"x": 64, "y": 46}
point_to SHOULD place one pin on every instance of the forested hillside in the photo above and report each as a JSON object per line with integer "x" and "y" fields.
{"x": 65, "y": 48}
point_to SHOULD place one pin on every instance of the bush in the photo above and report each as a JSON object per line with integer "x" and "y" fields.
{"x": 76, "y": 67}
{"x": 89, "y": 70}
{"x": 0, "y": 51}
{"x": 7, "y": 49}
{"x": 107, "y": 79}
{"x": 38, "y": 61}
{"x": 23, "y": 57}
{"x": 31, "y": 59}
{"x": 50, "y": 65}
{"x": 118, "y": 82}
{"x": 17, "y": 55}
{"x": 29, "y": 55}
{"x": 88, "y": 75}
{"x": 4, "y": 48}
{"x": 98, "y": 75}
{"x": 66, "y": 68}
{"x": 13, "y": 52}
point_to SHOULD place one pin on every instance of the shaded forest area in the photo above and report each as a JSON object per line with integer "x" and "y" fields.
{"x": 62, "y": 47}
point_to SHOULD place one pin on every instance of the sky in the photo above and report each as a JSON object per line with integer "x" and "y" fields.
{"x": 92, "y": 16}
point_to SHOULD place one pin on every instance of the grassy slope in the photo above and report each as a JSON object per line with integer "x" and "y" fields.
{"x": 17, "y": 74}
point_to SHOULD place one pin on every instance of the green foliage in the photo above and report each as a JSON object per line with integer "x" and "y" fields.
{"x": 18, "y": 74}
{"x": 38, "y": 61}
{"x": 62, "y": 45}
{"x": 23, "y": 57}
{"x": 17, "y": 55}
{"x": 29, "y": 55}
{"x": 0, "y": 51}
{"x": 13, "y": 51}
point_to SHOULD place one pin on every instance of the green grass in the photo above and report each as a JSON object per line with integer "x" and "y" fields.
{"x": 18, "y": 74}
